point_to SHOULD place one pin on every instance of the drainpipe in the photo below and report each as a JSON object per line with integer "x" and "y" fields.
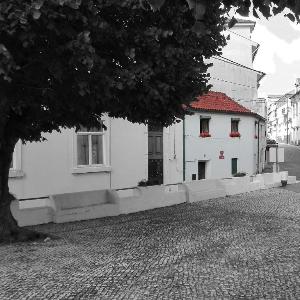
{"x": 287, "y": 120}
{"x": 183, "y": 139}
{"x": 258, "y": 152}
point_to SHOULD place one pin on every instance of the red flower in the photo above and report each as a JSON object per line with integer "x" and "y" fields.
{"x": 234, "y": 134}
{"x": 204, "y": 134}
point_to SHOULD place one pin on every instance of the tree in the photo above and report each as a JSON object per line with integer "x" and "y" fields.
{"x": 63, "y": 63}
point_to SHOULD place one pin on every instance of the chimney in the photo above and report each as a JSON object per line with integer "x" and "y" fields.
{"x": 297, "y": 84}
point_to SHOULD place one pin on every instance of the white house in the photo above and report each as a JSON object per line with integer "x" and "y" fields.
{"x": 222, "y": 138}
{"x": 113, "y": 159}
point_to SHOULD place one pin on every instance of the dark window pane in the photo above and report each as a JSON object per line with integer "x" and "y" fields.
{"x": 204, "y": 125}
{"x": 82, "y": 150}
{"x": 234, "y": 126}
{"x": 97, "y": 149}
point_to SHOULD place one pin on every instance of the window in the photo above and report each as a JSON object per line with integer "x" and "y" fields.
{"x": 235, "y": 128}
{"x": 234, "y": 166}
{"x": 204, "y": 126}
{"x": 235, "y": 125}
{"x": 90, "y": 147}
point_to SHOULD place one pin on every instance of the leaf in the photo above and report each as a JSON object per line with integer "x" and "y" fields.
{"x": 36, "y": 14}
{"x": 265, "y": 10}
{"x": 291, "y": 17}
{"x": 200, "y": 10}
{"x": 199, "y": 28}
{"x": 243, "y": 11}
{"x": 37, "y": 4}
{"x": 232, "y": 22}
{"x": 255, "y": 14}
{"x": 156, "y": 4}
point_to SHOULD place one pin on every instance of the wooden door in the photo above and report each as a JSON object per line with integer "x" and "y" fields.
{"x": 155, "y": 154}
{"x": 201, "y": 170}
{"x": 234, "y": 166}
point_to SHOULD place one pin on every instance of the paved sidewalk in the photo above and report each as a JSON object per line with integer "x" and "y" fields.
{"x": 241, "y": 247}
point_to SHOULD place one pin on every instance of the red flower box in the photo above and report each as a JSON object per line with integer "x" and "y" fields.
{"x": 204, "y": 134}
{"x": 234, "y": 134}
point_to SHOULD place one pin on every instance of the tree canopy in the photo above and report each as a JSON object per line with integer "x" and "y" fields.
{"x": 64, "y": 63}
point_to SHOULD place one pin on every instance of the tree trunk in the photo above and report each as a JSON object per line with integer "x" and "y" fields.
{"x": 9, "y": 229}
{"x": 8, "y": 225}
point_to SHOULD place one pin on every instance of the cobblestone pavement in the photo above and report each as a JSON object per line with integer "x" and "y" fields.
{"x": 241, "y": 247}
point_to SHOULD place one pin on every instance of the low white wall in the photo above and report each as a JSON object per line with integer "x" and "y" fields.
{"x": 206, "y": 189}
{"x": 103, "y": 203}
{"x": 31, "y": 214}
{"x": 150, "y": 197}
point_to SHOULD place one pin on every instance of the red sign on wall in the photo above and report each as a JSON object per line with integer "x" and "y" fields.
{"x": 221, "y": 156}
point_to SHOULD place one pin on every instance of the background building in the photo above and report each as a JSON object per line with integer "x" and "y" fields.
{"x": 223, "y": 138}
{"x": 233, "y": 73}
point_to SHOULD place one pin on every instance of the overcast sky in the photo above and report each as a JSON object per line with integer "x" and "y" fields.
{"x": 278, "y": 55}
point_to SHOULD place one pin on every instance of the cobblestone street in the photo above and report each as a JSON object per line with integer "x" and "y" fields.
{"x": 241, "y": 247}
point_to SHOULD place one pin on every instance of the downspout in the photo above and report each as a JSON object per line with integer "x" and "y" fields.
{"x": 183, "y": 139}
{"x": 258, "y": 152}
{"x": 110, "y": 179}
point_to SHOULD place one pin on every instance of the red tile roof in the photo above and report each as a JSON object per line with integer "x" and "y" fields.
{"x": 219, "y": 102}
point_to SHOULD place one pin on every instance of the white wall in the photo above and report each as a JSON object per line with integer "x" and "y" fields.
{"x": 239, "y": 47}
{"x": 173, "y": 153}
{"x": 48, "y": 167}
{"x": 296, "y": 120}
{"x": 208, "y": 149}
{"x": 238, "y": 81}
{"x": 129, "y": 153}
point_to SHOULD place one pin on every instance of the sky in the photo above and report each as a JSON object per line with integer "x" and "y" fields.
{"x": 278, "y": 55}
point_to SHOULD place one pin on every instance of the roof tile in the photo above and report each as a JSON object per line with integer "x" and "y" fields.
{"x": 219, "y": 102}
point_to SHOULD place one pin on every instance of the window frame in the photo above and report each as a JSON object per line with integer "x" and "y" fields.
{"x": 237, "y": 120}
{"x": 89, "y": 134}
{"x": 207, "y": 132}
{"x": 91, "y": 168}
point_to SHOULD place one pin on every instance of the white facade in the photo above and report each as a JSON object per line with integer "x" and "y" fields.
{"x": 218, "y": 150}
{"x": 233, "y": 72}
{"x": 233, "y": 75}
{"x": 295, "y": 103}
{"x": 295, "y": 130}
{"x": 280, "y": 117}
{"x": 50, "y": 167}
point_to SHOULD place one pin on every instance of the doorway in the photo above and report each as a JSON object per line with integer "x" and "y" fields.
{"x": 201, "y": 170}
{"x": 234, "y": 167}
{"x": 155, "y": 154}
